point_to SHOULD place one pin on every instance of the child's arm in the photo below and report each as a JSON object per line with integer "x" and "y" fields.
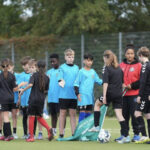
{"x": 98, "y": 80}
{"x": 61, "y": 81}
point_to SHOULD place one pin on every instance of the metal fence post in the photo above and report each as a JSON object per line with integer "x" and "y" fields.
{"x": 82, "y": 49}
{"x": 12, "y": 53}
{"x": 120, "y": 47}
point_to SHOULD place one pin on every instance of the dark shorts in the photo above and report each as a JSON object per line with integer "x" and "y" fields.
{"x": 14, "y": 106}
{"x": 117, "y": 103}
{"x": 85, "y": 108}
{"x": 53, "y": 108}
{"x": 68, "y": 103}
{"x": 6, "y": 107}
{"x": 35, "y": 110}
{"x": 144, "y": 106}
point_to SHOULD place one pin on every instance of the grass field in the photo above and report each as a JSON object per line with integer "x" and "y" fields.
{"x": 110, "y": 124}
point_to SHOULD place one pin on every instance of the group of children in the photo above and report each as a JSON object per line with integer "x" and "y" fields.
{"x": 69, "y": 89}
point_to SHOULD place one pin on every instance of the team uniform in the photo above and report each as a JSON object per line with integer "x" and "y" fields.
{"x": 53, "y": 92}
{"x": 131, "y": 76}
{"x": 67, "y": 96}
{"x": 114, "y": 78}
{"x": 85, "y": 82}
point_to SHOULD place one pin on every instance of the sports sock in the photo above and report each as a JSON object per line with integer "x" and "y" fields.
{"x": 1, "y": 131}
{"x": 43, "y": 123}
{"x": 7, "y": 129}
{"x": 124, "y": 128}
{"x": 148, "y": 126}
{"x": 14, "y": 130}
{"x": 35, "y": 125}
{"x": 81, "y": 116}
{"x": 25, "y": 124}
{"x": 141, "y": 125}
{"x": 96, "y": 118}
{"x": 87, "y": 114}
{"x": 31, "y": 125}
{"x": 61, "y": 135}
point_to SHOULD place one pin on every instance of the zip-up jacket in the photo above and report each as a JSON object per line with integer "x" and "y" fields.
{"x": 131, "y": 73}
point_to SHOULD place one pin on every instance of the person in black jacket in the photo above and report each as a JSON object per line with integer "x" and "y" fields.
{"x": 143, "y": 99}
{"x": 39, "y": 83}
{"x": 112, "y": 93}
{"x": 7, "y": 88}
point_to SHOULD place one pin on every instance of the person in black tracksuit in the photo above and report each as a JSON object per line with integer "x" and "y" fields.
{"x": 112, "y": 92}
{"x": 39, "y": 84}
{"x": 7, "y": 88}
{"x": 143, "y": 99}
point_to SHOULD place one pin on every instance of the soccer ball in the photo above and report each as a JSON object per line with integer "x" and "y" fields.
{"x": 103, "y": 136}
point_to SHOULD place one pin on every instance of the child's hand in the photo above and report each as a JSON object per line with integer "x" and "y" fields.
{"x": 79, "y": 97}
{"x": 149, "y": 98}
{"x": 128, "y": 87}
{"x": 62, "y": 83}
{"x": 138, "y": 100}
{"x": 19, "y": 98}
{"x": 21, "y": 92}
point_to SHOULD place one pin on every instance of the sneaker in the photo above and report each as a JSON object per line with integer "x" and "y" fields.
{"x": 50, "y": 134}
{"x": 30, "y": 139}
{"x": 2, "y": 137}
{"x": 94, "y": 129}
{"x": 54, "y": 131}
{"x": 124, "y": 140}
{"x": 142, "y": 140}
{"x": 40, "y": 136}
{"x": 136, "y": 138}
{"x": 15, "y": 136}
{"x": 119, "y": 138}
{"x": 8, "y": 138}
{"x": 25, "y": 137}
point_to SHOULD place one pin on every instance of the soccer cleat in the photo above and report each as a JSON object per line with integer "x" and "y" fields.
{"x": 94, "y": 129}
{"x": 8, "y": 138}
{"x": 30, "y": 139}
{"x": 136, "y": 138}
{"x": 50, "y": 134}
{"x": 40, "y": 136}
{"x": 25, "y": 137}
{"x": 15, "y": 136}
{"x": 124, "y": 140}
{"x": 142, "y": 140}
{"x": 54, "y": 131}
{"x": 119, "y": 138}
{"x": 2, "y": 137}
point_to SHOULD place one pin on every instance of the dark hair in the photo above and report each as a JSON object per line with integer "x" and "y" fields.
{"x": 144, "y": 51}
{"x": 54, "y": 56}
{"x": 25, "y": 60}
{"x": 129, "y": 46}
{"x": 88, "y": 56}
{"x": 41, "y": 68}
{"x": 4, "y": 65}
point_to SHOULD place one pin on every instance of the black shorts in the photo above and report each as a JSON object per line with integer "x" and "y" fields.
{"x": 144, "y": 106}
{"x": 14, "y": 106}
{"x": 68, "y": 103}
{"x": 53, "y": 108}
{"x": 35, "y": 110}
{"x": 6, "y": 107}
{"x": 117, "y": 103}
{"x": 85, "y": 108}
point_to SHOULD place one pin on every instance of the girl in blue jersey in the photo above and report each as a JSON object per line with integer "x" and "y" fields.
{"x": 53, "y": 92}
{"x": 67, "y": 97}
{"x": 84, "y": 85}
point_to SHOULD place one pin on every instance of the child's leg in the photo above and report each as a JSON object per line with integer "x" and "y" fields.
{"x": 62, "y": 120}
{"x": 14, "y": 119}
{"x": 31, "y": 126}
{"x": 148, "y": 123}
{"x": 43, "y": 122}
{"x": 25, "y": 118}
{"x": 1, "y": 122}
{"x": 35, "y": 125}
{"x": 72, "y": 113}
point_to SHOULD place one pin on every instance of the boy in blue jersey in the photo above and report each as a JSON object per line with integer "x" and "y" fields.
{"x": 53, "y": 92}
{"x": 67, "y": 97}
{"x": 24, "y": 77}
{"x": 84, "y": 85}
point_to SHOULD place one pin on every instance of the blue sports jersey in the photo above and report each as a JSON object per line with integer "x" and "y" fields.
{"x": 85, "y": 81}
{"x": 69, "y": 74}
{"x": 53, "y": 92}
{"x": 25, "y": 77}
{"x": 17, "y": 75}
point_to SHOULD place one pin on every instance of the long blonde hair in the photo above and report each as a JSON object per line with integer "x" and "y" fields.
{"x": 111, "y": 59}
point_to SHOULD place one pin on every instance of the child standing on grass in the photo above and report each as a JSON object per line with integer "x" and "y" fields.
{"x": 67, "y": 97}
{"x": 112, "y": 92}
{"x": 84, "y": 85}
{"x": 39, "y": 83}
{"x": 143, "y": 99}
{"x": 53, "y": 92}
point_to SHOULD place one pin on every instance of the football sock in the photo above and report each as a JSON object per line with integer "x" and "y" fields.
{"x": 96, "y": 118}
{"x": 7, "y": 129}
{"x": 25, "y": 124}
{"x": 61, "y": 135}
{"x": 0, "y": 131}
{"x": 148, "y": 124}
{"x": 31, "y": 125}
{"x": 35, "y": 125}
{"x": 14, "y": 130}
{"x": 141, "y": 125}
{"x": 124, "y": 128}
{"x": 43, "y": 122}
{"x": 81, "y": 116}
